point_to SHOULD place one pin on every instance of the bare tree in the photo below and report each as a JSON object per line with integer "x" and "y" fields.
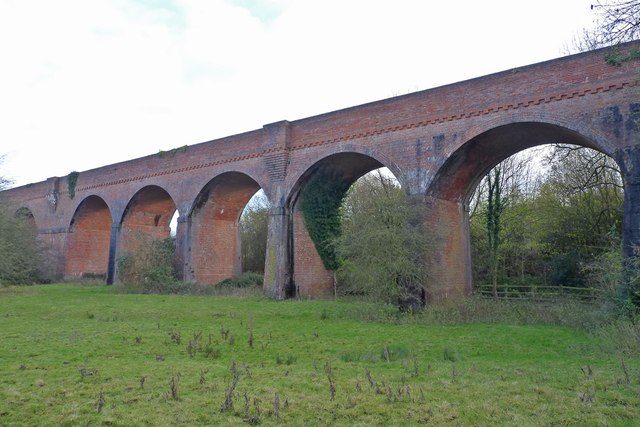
{"x": 592, "y": 176}
{"x": 616, "y": 21}
{"x": 4, "y": 182}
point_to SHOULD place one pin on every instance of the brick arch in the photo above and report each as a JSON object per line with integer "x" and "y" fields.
{"x": 25, "y": 214}
{"x": 580, "y": 96}
{"x": 448, "y": 193}
{"x": 213, "y": 227}
{"x": 308, "y": 166}
{"x": 87, "y": 252}
{"x": 310, "y": 278}
{"x": 456, "y": 179}
{"x": 147, "y": 216}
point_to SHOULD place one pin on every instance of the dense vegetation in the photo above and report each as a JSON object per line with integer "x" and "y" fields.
{"x": 559, "y": 225}
{"x": 23, "y": 260}
{"x": 556, "y": 226}
{"x": 382, "y": 245}
{"x": 253, "y": 227}
{"x": 20, "y": 256}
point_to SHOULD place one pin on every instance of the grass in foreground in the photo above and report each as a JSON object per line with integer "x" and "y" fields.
{"x": 74, "y": 355}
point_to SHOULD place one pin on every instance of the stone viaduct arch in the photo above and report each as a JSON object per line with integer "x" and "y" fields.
{"x": 437, "y": 142}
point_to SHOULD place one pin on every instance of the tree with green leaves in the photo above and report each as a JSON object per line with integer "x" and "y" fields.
{"x": 20, "y": 253}
{"x": 550, "y": 227}
{"x": 616, "y": 22}
{"x": 382, "y": 244}
{"x": 500, "y": 190}
{"x": 253, "y": 233}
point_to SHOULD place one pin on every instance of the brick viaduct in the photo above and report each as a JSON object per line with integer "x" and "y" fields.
{"x": 437, "y": 142}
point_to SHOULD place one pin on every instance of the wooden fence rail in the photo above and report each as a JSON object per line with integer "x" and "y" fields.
{"x": 540, "y": 293}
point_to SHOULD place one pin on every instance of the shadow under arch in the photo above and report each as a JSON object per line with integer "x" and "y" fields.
{"x": 309, "y": 275}
{"x": 214, "y": 240}
{"x": 88, "y": 241}
{"x": 347, "y": 150}
{"x": 457, "y": 178}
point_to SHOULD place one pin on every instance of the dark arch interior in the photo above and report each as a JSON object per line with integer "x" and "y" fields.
{"x": 344, "y": 167}
{"x": 464, "y": 169}
{"x": 215, "y": 240}
{"x": 89, "y": 239}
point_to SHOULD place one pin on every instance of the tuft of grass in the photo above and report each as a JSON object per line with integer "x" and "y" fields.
{"x": 394, "y": 352}
{"x": 243, "y": 280}
{"x": 450, "y": 355}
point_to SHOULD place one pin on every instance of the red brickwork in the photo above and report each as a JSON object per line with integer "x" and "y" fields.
{"x": 437, "y": 142}
{"x": 214, "y": 227}
{"x": 147, "y": 216}
{"x": 87, "y": 251}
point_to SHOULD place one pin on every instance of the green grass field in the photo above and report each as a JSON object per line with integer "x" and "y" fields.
{"x": 87, "y": 355}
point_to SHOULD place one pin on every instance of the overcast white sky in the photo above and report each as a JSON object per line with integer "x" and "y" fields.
{"x": 85, "y": 83}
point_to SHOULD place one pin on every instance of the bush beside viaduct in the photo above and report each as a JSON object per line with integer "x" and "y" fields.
{"x": 438, "y": 143}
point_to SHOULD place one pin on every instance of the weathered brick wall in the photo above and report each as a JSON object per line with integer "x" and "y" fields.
{"x": 214, "y": 227}
{"x": 87, "y": 251}
{"x": 437, "y": 142}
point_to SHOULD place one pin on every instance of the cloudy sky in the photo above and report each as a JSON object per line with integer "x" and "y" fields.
{"x": 84, "y": 83}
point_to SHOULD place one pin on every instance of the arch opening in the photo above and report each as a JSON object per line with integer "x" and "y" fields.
{"x": 530, "y": 219}
{"x": 253, "y": 229}
{"x": 147, "y": 220}
{"x": 347, "y": 211}
{"x": 87, "y": 254}
{"x": 216, "y": 248}
{"x": 173, "y": 224}
{"x": 25, "y": 216}
{"x": 460, "y": 174}
{"x": 149, "y": 212}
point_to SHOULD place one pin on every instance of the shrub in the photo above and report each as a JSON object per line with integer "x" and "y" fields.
{"x": 20, "y": 254}
{"x": 150, "y": 264}
{"x": 243, "y": 280}
{"x": 382, "y": 246}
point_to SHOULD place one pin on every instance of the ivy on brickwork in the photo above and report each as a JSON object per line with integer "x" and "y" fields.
{"x": 172, "y": 152}
{"x": 320, "y": 202}
{"x": 72, "y": 179}
{"x": 616, "y": 58}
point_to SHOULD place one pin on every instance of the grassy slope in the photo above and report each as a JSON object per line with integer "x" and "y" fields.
{"x": 67, "y": 351}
